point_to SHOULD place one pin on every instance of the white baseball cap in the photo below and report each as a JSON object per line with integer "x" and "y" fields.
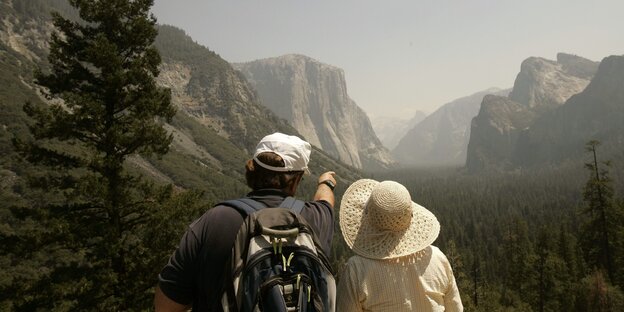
{"x": 294, "y": 151}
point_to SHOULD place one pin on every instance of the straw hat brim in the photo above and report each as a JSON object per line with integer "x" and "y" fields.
{"x": 365, "y": 240}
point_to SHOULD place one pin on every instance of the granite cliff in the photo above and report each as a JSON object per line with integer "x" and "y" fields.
{"x": 597, "y": 113}
{"x": 541, "y": 86}
{"x": 313, "y": 97}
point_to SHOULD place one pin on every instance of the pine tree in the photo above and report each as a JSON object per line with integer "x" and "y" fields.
{"x": 568, "y": 278}
{"x": 551, "y": 271}
{"x": 603, "y": 227}
{"x": 596, "y": 294}
{"x": 105, "y": 107}
{"x": 518, "y": 275}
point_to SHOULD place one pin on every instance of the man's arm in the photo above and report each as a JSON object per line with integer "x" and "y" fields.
{"x": 162, "y": 303}
{"x": 323, "y": 191}
{"x": 176, "y": 280}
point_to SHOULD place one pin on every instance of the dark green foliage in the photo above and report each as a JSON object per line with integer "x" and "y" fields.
{"x": 96, "y": 234}
{"x": 596, "y": 294}
{"x": 175, "y": 45}
{"x": 603, "y": 229}
{"x": 549, "y": 270}
{"x": 517, "y": 274}
{"x": 514, "y": 238}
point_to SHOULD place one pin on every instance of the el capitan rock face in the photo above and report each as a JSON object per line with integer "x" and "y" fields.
{"x": 313, "y": 97}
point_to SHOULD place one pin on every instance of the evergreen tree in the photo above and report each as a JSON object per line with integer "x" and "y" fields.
{"x": 550, "y": 271}
{"x": 619, "y": 246}
{"x": 518, "y": 276}
{"x": 596, "y": 294}
{"x": 102, "y": 223}
{"x": 604, "y": 221}
{"x": 569, "y": 277}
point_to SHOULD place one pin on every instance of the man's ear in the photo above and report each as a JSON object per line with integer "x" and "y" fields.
{"x": 291, "y": 189}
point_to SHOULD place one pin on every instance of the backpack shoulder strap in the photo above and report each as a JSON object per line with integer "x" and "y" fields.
{"x": 294, "y": 204}
{"x": 245, "y": 206}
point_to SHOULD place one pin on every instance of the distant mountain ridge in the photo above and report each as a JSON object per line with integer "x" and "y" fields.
{"x": 390, "y": 130}
{"x": 543, "y": 87}
{"x": 441, "y": 139}
{"x": 313, "y": 97}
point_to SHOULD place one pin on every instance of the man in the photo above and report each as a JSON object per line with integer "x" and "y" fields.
{"x": 395, "y": 267}
{"x": 194, "y": 275}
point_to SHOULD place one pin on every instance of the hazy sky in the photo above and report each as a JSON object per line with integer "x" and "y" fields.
{"x": 403, "y": 56}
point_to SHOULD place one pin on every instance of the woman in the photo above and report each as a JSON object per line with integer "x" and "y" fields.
{"x": 395, "y": 267}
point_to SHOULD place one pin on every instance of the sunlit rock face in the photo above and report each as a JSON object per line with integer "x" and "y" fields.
{"x": 597, "y": 113}
{"x": 313, "y": 97}
{"x": 547, "y": 83}
{"x": 541, "y": 87}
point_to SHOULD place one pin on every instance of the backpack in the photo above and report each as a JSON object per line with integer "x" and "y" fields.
{"x": 277, "y": 263}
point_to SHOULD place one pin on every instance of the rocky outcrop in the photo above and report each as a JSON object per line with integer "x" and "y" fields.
{"x": 540, "y": 87}
{"x": 546, "y": 84}
{"x": 441, "y": 139}
{"x": 495, "y": 131}
{"x": 313, "y": 97}
{"x": 208, "y": 88}
{"x": 597, "y": 113}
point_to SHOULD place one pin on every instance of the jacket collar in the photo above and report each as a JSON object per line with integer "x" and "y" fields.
{"x": 267, "y": 193}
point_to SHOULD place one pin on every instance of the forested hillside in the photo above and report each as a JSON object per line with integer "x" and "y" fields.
{"x": 528, "y": 240}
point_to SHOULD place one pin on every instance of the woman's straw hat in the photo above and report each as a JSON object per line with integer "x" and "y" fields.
{"x": 378, "y": 220}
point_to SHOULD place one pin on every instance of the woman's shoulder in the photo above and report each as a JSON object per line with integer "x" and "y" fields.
{"x": 435, "y": 250}
{"x": 437, "y": 253}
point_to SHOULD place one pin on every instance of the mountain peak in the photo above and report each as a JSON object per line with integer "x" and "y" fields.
{"x": 577, "y": 66}
{"x": 313, "y": 97}
{"x": 547, "y": 83}
{"x": 290, "y": 60}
